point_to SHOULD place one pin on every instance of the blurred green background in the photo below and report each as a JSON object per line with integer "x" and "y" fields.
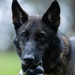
{"x": 9, "y": 63}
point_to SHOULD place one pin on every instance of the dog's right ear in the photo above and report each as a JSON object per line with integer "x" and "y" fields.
{"x": 18, "y": 15}
{"x": 52, "y": 16}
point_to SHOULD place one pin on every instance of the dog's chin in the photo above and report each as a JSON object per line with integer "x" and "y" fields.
{"x": 33, "y": 70}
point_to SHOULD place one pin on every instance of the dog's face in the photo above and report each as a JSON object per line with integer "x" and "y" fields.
{"x": 35, "y": 35}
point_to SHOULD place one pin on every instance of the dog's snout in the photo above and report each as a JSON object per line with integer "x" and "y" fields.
{"x": 29, "y": 60}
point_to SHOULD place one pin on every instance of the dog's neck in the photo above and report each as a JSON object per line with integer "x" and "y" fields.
{"x": 56, "y": 67}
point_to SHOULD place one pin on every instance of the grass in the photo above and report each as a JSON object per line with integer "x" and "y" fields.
{"x": 9, "y": 63}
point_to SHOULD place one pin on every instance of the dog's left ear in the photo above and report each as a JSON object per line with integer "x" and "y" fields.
{"x": 19, "y": 16}
{"x": 52, "y": 16}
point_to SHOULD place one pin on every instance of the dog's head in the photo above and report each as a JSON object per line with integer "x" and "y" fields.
{"x": 35, "y": 35}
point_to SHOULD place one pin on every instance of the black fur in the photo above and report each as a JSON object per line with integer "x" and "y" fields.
{"x": 39, "y": 43}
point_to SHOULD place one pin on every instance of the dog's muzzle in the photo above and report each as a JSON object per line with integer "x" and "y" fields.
{"x": 31, "y": 63}
{"x": 28, "y": 60}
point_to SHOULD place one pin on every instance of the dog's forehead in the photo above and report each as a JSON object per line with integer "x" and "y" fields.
{"x": 33, "y": 23}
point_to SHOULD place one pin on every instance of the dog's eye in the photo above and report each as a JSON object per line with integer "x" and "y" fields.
{"x": 41, "y": 37}
{"x": 25, "y": 34}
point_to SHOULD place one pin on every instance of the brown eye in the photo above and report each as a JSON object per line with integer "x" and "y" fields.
{"x": 25, "y": 34}
{"x": 41, "y": 37}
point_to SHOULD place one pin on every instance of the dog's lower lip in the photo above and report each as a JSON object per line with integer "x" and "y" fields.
{"x": 39, "y": 63}
{"x": 29, "y": 64}
{"x": 33, "y": 64}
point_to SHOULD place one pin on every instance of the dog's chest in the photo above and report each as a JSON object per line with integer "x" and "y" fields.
{"x": 63, "y": 68}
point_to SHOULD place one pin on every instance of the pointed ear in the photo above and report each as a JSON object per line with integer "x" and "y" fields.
{"x": 52, "y": 16}
{"x": 18, "y": 15}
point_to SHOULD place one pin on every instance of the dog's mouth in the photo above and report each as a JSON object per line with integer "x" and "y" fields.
{"x": 33, "y": 69}
{"x": 30, "y": 65}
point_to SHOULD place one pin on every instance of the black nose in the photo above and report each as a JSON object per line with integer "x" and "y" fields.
{"x": 29, "y": 60}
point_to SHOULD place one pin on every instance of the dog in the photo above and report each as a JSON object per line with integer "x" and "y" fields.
{"x": 42, "y": 49}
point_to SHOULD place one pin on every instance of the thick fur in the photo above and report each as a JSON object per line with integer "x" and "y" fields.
{"x": 38, "y": 41}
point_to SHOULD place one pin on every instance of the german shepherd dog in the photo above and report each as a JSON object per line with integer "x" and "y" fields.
{"x": 42, "y": 49}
